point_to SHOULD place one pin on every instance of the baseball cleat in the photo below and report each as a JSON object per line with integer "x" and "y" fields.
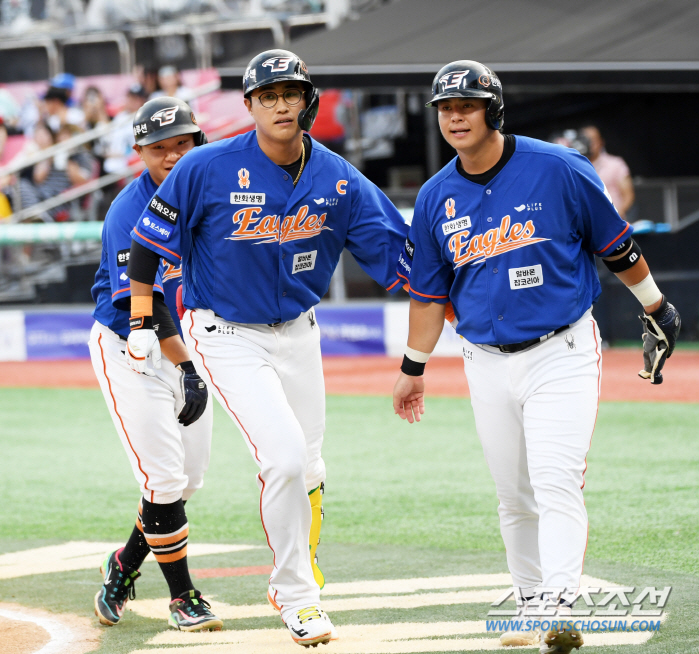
{"x": 117, "y": 589}
{"x": 310, "y": 626}
{"x": 561, "y": 641}
{"x": 190, "y": 612}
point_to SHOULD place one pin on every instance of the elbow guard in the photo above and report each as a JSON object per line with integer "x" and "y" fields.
{"x": 631, "y": 254}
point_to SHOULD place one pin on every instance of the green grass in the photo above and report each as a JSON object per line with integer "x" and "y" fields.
{"x": 400, "y": 501}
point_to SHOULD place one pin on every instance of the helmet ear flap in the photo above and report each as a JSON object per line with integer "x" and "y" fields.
{"x": 495, "y": 115}
{"x": 308, "y": 115}
{"x": 200, "y": 138}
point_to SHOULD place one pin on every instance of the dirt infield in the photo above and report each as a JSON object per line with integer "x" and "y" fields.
{"x": 376, "y": 376}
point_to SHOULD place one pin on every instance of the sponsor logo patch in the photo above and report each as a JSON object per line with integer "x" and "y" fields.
{"x": 122, "y": 257}
{"x": 156, "y": 229}
{"x": 163, "y": 210}
{"x": 304, "y": 261}
{"x": 165, "y": 116}
{"x": 456, "y": 225}
{"x": 468, "y": 355}
{"x": 244, "y": 178}
{"x": 526, "y": 277}
{"x": 530, "y": 206}
{"x": 247, "y": 198}
{"x": 410, "y": 248}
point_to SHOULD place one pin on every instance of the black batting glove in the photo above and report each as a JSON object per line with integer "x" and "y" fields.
{"x": 660, "y": 331}
{"x": 194, "y": 392}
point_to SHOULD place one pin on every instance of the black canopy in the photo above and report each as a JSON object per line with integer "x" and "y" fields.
{"x": 596, "y": 45}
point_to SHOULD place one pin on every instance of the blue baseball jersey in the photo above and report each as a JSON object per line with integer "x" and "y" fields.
{"x": 515, "y": 256}
{"x": 256, "y": 249}
{"x": 111, "y": 290}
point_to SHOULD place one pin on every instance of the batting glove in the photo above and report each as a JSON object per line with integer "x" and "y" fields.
{"x": 660, "y": 331}
{"x": 142, "y": 346}
{"x": 194, "y": 392}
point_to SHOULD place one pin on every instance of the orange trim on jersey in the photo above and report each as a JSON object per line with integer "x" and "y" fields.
{"x": 245, "y": 431}
{"x": 436, "y": 297}
{"x": 156, "y": 245}
{"x": 615, "y": 240}
{"x": 392, "y": 285}
{"x": 173, "y": 556}
{"x": 123, "y": 290}
{"x": 109, "y": 383}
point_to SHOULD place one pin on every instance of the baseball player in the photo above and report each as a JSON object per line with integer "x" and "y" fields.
{"x": 508, "y": 232}
{"x": 259, "y": 222}
{"x": 161, "y": 416}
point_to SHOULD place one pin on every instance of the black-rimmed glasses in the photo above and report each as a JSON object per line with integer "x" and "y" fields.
{"x": 269, "y": 98}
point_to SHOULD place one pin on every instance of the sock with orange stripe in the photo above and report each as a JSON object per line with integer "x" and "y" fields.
{"x": 136, "y": 549}
{"x": 166, "y": 530}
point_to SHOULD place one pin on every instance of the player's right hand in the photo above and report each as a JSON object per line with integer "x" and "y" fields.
{"x": 660, "y": 331}
{"x": 142, "y": 346}
{"x": 409, "y": 397}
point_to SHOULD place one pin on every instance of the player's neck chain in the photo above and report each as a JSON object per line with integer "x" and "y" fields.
{"x": 303, "y": 162}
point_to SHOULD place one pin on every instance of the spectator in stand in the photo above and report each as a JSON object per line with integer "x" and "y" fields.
{"x": 170, "y": 84}
{"x": 147, "y": 77}
{"x": 612, "y": 170}
{"x": 5, "y": 207}
{"x": 59, "y": 106}
{"x": 119, "y": 144}
{"x": 95, "y": 109}
{"x": 51, "y": 177}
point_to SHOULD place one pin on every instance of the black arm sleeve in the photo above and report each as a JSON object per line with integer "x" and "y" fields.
{"x": 143, "y": 264}
{"x": 163, "y": 323}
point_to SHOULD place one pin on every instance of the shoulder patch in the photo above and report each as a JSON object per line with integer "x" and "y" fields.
{"x": 163, "y": 210}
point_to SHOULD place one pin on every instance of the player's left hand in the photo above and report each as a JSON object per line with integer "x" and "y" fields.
{"x": 660, "y": 331}
{"x": 194, "y": 392}
{"x": 409, "y": 397}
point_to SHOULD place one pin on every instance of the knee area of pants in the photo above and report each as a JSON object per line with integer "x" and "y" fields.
{"x": 286, "y": 470}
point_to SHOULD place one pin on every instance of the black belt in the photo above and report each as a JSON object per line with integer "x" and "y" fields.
{"x": 511, "y": 348}
{"x": 269, "y": 324}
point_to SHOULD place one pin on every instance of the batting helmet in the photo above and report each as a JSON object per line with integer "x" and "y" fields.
{"x": 273, "y": 66}
{"x": 164, "y": 117}
{"x": 469, "y": 79}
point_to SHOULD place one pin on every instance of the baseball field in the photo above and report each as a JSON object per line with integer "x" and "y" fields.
{"x": 410, "y": 545}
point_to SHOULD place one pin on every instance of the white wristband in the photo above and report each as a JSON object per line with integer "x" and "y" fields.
{"x": 416, "y": 355}
{"x": 646, "y": 291}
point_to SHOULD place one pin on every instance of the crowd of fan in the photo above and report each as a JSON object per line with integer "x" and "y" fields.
{"x": 57, "y": 116}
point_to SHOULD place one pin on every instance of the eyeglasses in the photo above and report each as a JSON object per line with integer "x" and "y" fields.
{"x": 268, "y": 99}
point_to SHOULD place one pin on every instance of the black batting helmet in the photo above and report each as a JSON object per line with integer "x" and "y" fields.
{"x": 273, "y": 66}
{"x": 164, "y": 117}
{"x": 469, "y": 79}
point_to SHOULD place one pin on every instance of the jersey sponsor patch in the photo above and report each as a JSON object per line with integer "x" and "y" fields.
{"x": 526, "y": 277}
{"x": 409, "y": 248}
{"x": 304, "y": 261}
{"x": 163, "y": 210}
{"x": 456, "y": 225}
{"x": 155, "y": 228}
{"x": 122, "y": 257}
{"x": 247, "y": 198}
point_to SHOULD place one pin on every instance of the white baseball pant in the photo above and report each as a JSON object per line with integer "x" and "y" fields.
{"x": 535, "y": 412}
{"x": 269, "y": 379}
{"x": 168, "y": 459}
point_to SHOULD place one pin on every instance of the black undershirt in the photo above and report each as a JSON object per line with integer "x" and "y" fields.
{"x": 293, "y": 168}
{"x": 483, "y": 178}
